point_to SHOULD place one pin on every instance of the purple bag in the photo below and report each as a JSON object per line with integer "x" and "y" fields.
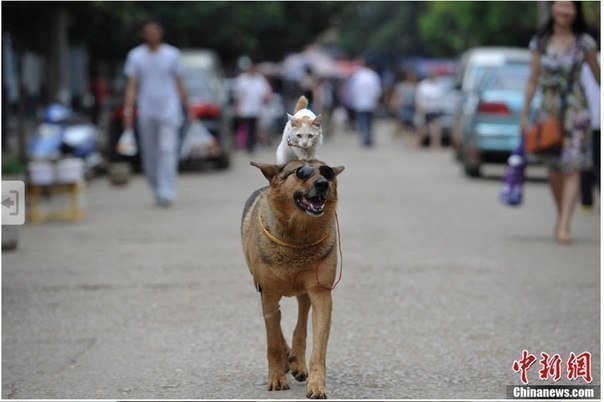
{"x": 513, "y": 178}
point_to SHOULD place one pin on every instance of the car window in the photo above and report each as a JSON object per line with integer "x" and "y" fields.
{"x": 197, "y": 82}
{"x": 476, "y": 75}
{"x": 507, "y": 78}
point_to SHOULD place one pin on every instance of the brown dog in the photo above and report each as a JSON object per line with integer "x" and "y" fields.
{"x": 289, "y": 240}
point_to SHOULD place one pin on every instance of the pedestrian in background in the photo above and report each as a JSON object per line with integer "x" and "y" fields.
{"x": 428, "y": 103}
{"x": 155, "y": 83}
{"x": 558, "y": 51}
{"x": 589, "y": 177}
{"x": 252, "y": 91}
{"x": 309, "y": 86}
{"x": 403, "y": 102}
{"x": 365, "y": 90}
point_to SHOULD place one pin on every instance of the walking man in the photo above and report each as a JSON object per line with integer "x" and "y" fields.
{"x": 155, "y": 82}
{"x": 365, "y": 91}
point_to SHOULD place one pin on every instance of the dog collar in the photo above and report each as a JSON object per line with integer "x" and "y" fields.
{"x": 285, "y": 244}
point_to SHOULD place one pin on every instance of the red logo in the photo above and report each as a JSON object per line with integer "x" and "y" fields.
{"x": 577, "y": 366}
{"x": 523, "y": 365}
{"x": 550, "y": 366}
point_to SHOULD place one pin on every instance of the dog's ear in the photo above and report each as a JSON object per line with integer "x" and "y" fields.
{"x": 269, "y": 171}
{"x": 337, "y": 170}
{"x": 317, "y": 121}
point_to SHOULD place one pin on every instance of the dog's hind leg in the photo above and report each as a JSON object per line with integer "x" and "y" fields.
{"x": 276, "y": 346}
{"x": 297, "y": 355}
{"x": 321, "y": 324}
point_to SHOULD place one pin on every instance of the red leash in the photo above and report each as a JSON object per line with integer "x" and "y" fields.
{"x": 341, "y": 261}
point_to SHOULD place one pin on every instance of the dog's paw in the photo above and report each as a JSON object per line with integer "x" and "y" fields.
{"x": 316, "y": 391}
{"x": 298, "y": 368}
{"x": 277, "y": 382}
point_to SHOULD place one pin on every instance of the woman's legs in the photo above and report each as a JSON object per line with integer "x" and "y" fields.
{"x": 565, "y": 188}
{"x": 555, "y": 183}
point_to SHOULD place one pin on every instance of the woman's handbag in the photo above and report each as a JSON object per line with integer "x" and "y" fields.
{"x": 545, "y": 136}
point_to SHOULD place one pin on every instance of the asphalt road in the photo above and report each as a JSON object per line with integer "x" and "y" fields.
{"x": 443, "y": 287}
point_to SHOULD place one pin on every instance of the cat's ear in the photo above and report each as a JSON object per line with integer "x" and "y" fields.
{"x": 317, "y": 121}
{"x": 291, "y": 119}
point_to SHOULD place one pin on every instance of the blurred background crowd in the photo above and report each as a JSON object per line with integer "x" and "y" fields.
{"x": 444, "y": 68}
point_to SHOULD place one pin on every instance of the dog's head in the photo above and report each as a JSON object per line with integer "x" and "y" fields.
{"x": 305, "y": 187}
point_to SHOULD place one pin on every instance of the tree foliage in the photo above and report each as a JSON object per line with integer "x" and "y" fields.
{"x": 447, "y": 28}
{"x": 269, "y": 30}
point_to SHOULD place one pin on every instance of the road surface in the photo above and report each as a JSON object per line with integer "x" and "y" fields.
{"x": 443, "y": 287}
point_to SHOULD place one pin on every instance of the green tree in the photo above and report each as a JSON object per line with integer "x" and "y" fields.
{"x": 384, "y": 27}
{"x": 447, "y": 28}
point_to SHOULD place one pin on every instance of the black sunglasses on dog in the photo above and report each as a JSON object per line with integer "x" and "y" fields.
{"x": 306, "y": 172}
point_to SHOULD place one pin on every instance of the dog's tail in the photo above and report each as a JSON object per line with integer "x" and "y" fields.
{"x": 302, "y": 103}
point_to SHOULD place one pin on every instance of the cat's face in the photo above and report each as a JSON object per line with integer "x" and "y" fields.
{"x": 305, "y": 131}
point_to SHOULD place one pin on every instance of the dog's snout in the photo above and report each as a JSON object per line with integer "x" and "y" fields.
{"x": 321, "y": 184}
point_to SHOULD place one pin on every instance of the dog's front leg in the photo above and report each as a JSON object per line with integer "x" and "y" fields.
{"x": 276, "y": 347}
{"x": 297, "y": 356}
{"x": 321, "y": 323}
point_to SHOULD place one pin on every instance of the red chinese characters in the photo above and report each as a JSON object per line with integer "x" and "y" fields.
{"x": 521, "y": 366}
{"x": 577, "y": 366}
{"x": 550, "y": 366}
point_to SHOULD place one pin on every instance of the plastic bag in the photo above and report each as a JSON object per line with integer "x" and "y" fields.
{"x": 46, "y": 142}
{"x": 127, "y": 143}
{"x": 513, "y": 178}
{"x": 197, "y": 142}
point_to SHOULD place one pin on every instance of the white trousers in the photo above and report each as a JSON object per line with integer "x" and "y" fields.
{"x": 159, "y": 142}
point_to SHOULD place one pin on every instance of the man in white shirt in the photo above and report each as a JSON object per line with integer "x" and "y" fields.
{"x": 365, "y": 90}
{"x": 428, "y": 100}
{"x": 154, "y": 74}
{"x": 251, "y": 92}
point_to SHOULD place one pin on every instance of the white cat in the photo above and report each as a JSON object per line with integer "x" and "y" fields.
{"x": 302, "y": 135}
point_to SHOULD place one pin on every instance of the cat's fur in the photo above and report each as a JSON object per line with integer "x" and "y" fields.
{"x": 302, "y": 135}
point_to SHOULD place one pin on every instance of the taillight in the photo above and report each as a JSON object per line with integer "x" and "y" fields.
{"x": 206, "y": 110}
{"x": 496, "y": 108}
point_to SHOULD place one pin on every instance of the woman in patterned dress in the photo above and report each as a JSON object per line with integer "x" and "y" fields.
{"x": 558, "y": 51}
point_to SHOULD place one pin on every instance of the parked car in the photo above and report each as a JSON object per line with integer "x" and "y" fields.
{"x": 449, "y": 105}
{"x": 472, "y": 65}
{"x": 491, "y": 129}
{"x": 204, "y": 81}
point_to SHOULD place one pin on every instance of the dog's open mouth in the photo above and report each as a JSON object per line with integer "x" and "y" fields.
{"x": 314, "y": 206}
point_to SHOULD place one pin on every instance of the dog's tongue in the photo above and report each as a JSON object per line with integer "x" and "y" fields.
{"x": 316, "y": 202}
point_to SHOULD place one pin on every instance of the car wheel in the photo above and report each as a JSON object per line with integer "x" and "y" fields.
{"x": 471, "y": 166}
{"x": 471, "y": 170}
